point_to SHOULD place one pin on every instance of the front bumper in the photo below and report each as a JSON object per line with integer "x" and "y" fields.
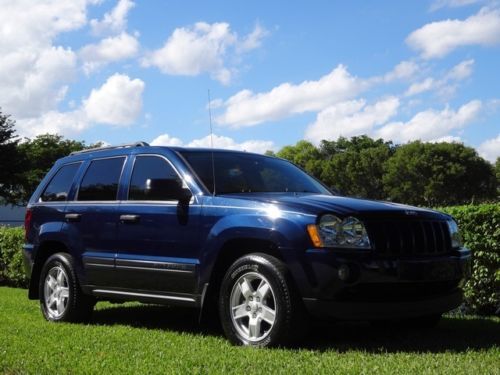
{"x": 383, "y": 310}
{"x": 359, "y": 286}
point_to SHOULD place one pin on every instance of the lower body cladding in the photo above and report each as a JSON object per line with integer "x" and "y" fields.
{"x": 171, "y": 281}
{"x": 362, "y": 287}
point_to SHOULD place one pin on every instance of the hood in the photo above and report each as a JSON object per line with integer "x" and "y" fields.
{"x": 342, "y": 206}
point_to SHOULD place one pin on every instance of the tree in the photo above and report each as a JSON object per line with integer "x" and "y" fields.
{"x": 39, "y": 155}
{"x": 305, "y": 155}
{"x": 497, "y": 175}
{"x": 432, "y": 174}
{"x": 10, "y": 162}
{"x": 356, "y": 166}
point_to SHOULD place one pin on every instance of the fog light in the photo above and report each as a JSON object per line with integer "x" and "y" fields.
{"x": 344, "y": 272}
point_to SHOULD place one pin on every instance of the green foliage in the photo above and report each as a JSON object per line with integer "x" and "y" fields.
{"x": 305, "y": 155}
{"x": 497, "y": 175}
{"x": 11, "y": 257}
{"x": 431, "y": 174}
{"x": 426, "y": 174}
{"x": 480, "y": 228}
{"x": 9, "y": 156}
{"x": 140, "y": 339}
{"x": 39, "y": 155}
{"x": 355, "y": 166}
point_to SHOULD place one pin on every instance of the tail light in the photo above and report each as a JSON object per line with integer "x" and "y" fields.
{"x": 27, "y": 223}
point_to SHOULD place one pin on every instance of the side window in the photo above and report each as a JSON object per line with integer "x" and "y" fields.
{"x": 100, "y": 182}
{"x": 154, "y": 179}
{"x": 58, "y": 187}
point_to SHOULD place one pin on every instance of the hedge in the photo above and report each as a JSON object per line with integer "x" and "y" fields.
{"x": 480, "y": 226}
{"x": 11, "y": 257}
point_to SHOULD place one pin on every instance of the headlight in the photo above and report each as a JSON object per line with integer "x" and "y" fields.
{"x": 456, "y": 237}
{"x": 331, "y": 231}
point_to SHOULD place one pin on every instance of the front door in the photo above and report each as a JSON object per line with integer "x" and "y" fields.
{"x": 157, "y": 242}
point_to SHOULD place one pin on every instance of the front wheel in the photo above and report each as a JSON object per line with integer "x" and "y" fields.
{"x": 257, "y": 303}
{"x": 61, "y": 299}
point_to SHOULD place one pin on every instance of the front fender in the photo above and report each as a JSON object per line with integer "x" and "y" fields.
{"x": 288, "y": 234}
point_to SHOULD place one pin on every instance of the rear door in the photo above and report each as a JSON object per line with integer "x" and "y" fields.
{"x": 92, "y": 219}
{"x": 157, "y": 236}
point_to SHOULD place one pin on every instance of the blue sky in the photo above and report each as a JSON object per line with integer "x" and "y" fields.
{"x": 122, "y": 70}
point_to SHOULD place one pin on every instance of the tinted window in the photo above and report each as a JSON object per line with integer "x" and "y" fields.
{"x": 100, "y": 182}
{"x": 153, "y": 178}
{"x": 58, "y": 187}
{"x": 249, "y": 173}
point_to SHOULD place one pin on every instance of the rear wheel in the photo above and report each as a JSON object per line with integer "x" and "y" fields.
{"x": 61, "y": 298}
{"x": 257, "y": 303}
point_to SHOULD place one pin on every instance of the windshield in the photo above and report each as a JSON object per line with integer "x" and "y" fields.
{"x": 250, "y": 173}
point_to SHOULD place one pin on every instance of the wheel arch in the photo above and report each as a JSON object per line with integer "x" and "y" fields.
{"x": 230, "y": 251}
{"x": 45, "y": 250}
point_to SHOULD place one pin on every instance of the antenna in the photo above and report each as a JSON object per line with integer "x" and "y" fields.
{"x": 211, "y": 139}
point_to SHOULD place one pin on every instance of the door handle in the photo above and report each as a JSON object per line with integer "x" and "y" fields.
{"x": 130, "y": 219}
{"x": 73, "y": 217}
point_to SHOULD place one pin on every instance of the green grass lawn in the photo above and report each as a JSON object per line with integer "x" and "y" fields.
{"x": 135, "y": 338}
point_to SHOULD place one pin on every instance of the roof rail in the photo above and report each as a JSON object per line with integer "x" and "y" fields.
{"x": 135, "y": 144}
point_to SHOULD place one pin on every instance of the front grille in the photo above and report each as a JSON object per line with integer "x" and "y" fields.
{"x": 409, "y": 237}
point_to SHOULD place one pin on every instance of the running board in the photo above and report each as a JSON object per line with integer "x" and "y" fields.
{"x": 147, "y": 297}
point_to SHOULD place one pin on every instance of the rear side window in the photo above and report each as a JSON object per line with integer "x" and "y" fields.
{"x": 100, "y": 182}
{"x": 58, "y": 187}
{"x": 153, "y": 178}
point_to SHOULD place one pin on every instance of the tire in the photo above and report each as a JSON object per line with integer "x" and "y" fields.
{"x": 258, "y": 305}
{"x": 61, "y": 299}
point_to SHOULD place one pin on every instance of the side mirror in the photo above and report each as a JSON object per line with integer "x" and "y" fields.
{"x": 167, "y": 190}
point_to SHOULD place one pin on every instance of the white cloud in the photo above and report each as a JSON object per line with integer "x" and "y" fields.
{"x": 403, "y": 70}
{"x": 114, "y": 21}
{"x": 247, "y": 108}
{"x": 117, "y": 102}
{"x": 447, "y": 85}
{"x": 430, "y": 124}
{"x": 351, "y": 118}
{"x": 447, "y": 139}
{"x": 31, "y": 83}
{"x": 253, "y": 40}
{"x": 419, "y": 87}
{"x": 490, "y": 149}
{"x": 203, "y": 48}
{"x": 111, "y": 49}
{"x": 35, "y": 74}
{"x": 166, "y": 140}
{"x": 437, "y": 39}
{"x": 438, "y": 4}
{"x": 54, "y": 122}
{"x": 461, "y": 71}
{"x": 258, "y": 146}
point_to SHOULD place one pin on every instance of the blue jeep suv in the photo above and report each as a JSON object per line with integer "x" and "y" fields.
{"x": 250, "y": 236}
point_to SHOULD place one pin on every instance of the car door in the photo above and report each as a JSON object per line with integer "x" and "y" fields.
{"x": 158, "y": 232}
{"x": 92, "y": 217}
